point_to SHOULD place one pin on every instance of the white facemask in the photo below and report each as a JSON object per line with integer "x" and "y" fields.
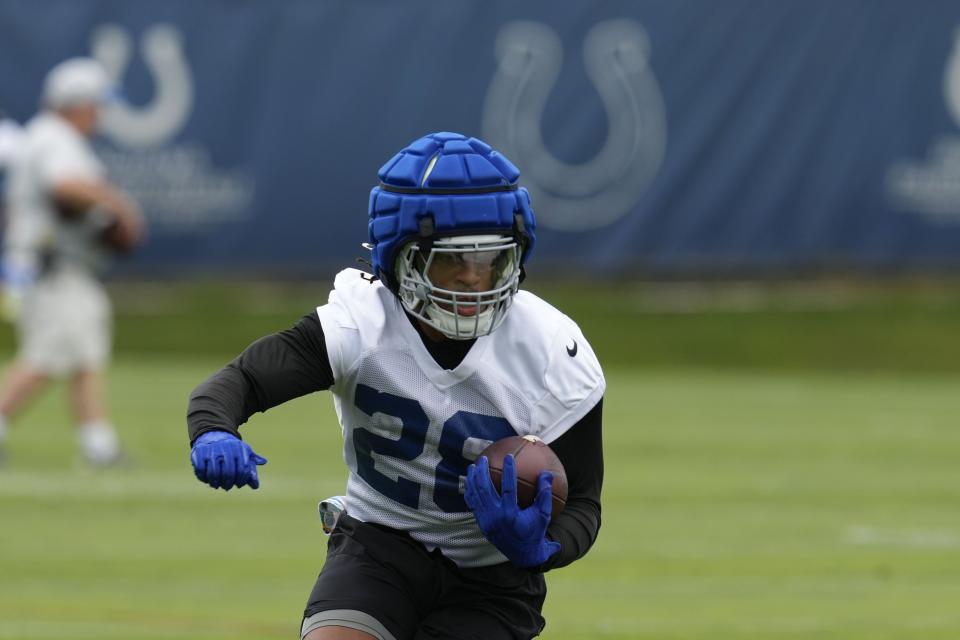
{"x": 452, "y": 305}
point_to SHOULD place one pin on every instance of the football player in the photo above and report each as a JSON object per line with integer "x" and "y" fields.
{"x": 431, "y": 358}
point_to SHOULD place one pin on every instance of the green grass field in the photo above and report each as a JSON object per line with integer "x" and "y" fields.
{"x": 795, "y": 476}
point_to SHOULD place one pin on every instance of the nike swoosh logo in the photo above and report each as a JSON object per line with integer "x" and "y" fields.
{"x": 572, "y": 351}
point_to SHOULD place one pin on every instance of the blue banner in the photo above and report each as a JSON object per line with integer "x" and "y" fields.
{"x": 685, "y": 135}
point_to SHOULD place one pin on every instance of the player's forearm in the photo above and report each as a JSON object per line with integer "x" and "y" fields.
{"x": 580, "y": 450}
{"x": 223, "y": 402}
{"x": 77, "y": 198}
{"x": 82, "y": 195}
{"x": 576, "y": 530}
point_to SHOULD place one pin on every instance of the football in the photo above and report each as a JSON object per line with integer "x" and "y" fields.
{"x": 531, "y": 456}
{"x": 118, "y": 238}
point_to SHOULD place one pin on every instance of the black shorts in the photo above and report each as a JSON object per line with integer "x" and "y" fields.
{"x": 397, "y": 586}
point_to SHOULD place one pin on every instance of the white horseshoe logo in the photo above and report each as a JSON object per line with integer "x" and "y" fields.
{"x": 164, "y": 117}
{"x": 951, "y": 80}
{"x": 598, "y": 192}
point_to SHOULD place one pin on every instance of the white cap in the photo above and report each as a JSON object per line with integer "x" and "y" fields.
{"x": 75, "y": 82}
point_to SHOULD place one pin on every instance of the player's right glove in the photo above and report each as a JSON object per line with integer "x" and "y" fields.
{"x": 519, "y": 534}
{"x": 224, "y": 461}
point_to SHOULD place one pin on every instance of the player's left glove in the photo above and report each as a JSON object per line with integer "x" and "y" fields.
{"x": 224, "y": 461}
{"x": 519, "y": 534}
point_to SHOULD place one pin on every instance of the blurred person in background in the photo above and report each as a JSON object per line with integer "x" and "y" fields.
{"x": 11, "y": 136}
{"x": 63, "y": 220}
{"x": 426, "y": 367}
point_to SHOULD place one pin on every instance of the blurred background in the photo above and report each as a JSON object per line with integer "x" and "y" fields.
{"x": 751, "y": 208}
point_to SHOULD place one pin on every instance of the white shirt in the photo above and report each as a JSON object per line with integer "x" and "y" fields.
{"x": 51, "y": 151}
{"x": 411, "y": 428}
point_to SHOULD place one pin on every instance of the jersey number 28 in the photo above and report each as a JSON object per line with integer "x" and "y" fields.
{"x": 413, "y": 436}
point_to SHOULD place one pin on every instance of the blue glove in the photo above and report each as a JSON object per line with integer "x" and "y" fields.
{"x": 224, "y": 461}
{"x": 519, "y": 534}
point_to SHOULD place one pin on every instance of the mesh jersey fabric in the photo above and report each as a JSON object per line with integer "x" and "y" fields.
{"x": 411, "y": 428}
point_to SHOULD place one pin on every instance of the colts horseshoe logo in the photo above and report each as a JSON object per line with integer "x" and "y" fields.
{"x": 951, "y": 80}
{"x": 164, "y": 117}
{"x": 600, "y": 191}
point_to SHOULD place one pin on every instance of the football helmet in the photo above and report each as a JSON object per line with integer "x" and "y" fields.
{"x": 450, "y": 230}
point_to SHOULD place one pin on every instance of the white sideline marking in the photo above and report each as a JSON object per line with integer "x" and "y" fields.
{"x": 911, "y": 538}
{"x": 114, "y": 484}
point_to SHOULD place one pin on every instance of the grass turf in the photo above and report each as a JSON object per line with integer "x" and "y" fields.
{"x": 748, "y": 504}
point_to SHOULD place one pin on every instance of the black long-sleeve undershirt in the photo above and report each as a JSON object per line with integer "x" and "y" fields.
{"x": 294, "y": 362}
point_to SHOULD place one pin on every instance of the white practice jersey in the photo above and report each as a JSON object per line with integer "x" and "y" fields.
{"x": 51, "y": 150}
{"x": 411, "y": 428}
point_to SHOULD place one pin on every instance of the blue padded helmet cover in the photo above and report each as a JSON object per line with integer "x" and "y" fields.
{"x": 461, "y": 184}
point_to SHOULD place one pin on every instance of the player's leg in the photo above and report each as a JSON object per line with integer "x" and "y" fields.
{"x": 20, "y": 385}
{"x": 499, "y": 602}
{"x": 98, "y": 440}
{"x": 89, "y": 336}
{"x": 339, "y": 633}
{"x": 375, "y": 582}
{"x": 37, "y": 355}
{"x": 87, "y": 396}
{"x": 36, "y": 359}
{"x": 41, "y": 355}
{"x": 330, "y": 511}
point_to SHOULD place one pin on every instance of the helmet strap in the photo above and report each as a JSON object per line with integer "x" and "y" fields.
{"x": 426, "y": 234}
{"x": 520, "y": 233}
